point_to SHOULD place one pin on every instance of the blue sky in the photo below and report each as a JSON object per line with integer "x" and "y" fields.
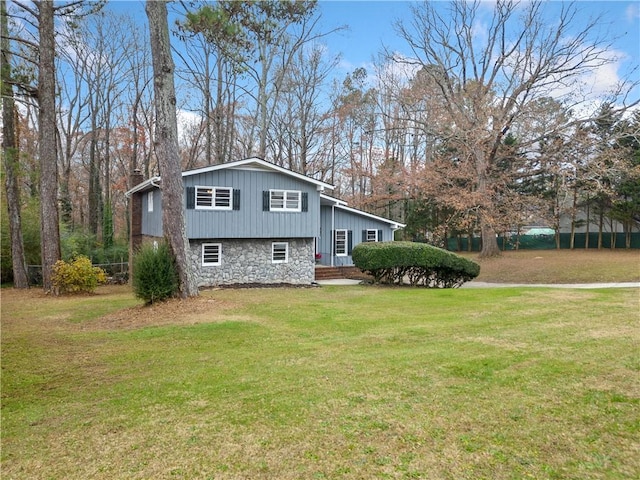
{"x": 370, "y": 26}
{"x": 370, "y": 23}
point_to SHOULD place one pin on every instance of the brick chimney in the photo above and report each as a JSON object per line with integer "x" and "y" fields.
{"x": 135, "y": 218}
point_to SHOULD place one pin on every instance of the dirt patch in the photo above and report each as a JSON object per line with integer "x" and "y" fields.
{"x": 189, "y": 311}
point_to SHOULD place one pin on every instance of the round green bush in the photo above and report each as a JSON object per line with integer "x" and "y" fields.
{"x": 155, "y": 277}
{"x": 419, "y": 263}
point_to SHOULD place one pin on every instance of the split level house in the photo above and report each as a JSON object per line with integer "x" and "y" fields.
{"x": 254, "y": 222}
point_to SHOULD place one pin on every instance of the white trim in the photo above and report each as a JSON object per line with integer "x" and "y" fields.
{"x": 152, "y": 182}
{"x": 255, "y": 163}
{"x": 375, "y": 231}
{"x": 346, "y": 241}
{"x": 341, "y": 204}
{"x": 392, "y": 224}
{"x": 285, "y": 199}
{"x": 211, "y": 264}
{"x": 332, "y": 200}
{"x": 286, "y": 252}
{"x": 213, "y": 192}
{"x": 150, "y": 201}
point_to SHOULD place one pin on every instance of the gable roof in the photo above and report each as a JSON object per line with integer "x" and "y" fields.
{"x": 342, "y": 205}
{"x": 255, "y": 163}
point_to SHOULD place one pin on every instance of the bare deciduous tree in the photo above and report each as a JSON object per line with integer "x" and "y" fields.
{"x": 486, "y": 81}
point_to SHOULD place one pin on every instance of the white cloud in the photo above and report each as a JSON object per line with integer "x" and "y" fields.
{"x": 187, "y": 121}
{"x": 633, "y": 12}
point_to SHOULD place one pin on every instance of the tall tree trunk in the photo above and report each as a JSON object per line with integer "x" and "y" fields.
{"x": 11, "y": 164}
{"x": 219, "y": 118}
{"x": 600, "y": 226}
{"x": 490, "y": 247}
{"x": 107, "y": 206}
{"x": 587, "y": 233}
{"x": 47, "y": 145}
{"x": 207, "y": 109}
{"x": 166, "y": 144}
{"x": 574, "y": 210}
{"x": 94, "y": 192}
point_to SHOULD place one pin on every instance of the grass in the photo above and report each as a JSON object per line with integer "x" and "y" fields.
{"x": 332, "y": 382}
{"x": 560, "y": 266}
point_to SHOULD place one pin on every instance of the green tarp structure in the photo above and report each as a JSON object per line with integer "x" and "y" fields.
{"x": 547, "y": 242}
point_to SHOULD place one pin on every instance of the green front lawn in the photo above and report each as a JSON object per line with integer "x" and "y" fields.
{"x": 331, "y": 382}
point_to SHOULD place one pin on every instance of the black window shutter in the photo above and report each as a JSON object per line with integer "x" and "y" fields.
{"x": 265, "y": 201}
{"x": 236, "y": 199}
{"x": 305, "y": 202}
{"x": 350, "y": 239}
{"x": 379, "y": 235}
{"x": 191, "y": 198}
{"x": 364, "y": 235}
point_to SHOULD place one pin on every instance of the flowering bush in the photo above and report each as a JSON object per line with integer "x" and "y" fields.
{"x": 77, "y": 276}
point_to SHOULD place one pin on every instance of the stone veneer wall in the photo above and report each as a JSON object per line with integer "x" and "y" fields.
{"x": 249, "y": 261}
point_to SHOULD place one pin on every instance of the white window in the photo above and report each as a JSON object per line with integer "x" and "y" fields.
{"x": 341, "y": 243}
{"x": 279, "y": 252}
{"x": 150, "y": 201}
{"x": 211, "y": 254}
{"x": 214, "y": 198}
{"x": 285, "y": 200}
{"x": 372, "y": 236}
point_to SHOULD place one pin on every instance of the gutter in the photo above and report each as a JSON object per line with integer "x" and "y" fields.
{"x": 153, "y": 181}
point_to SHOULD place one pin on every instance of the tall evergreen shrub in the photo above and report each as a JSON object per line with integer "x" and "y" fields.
{"x": 155, "y": 277}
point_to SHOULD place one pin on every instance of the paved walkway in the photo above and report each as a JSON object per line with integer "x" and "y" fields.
{"x": 474, "y": 284}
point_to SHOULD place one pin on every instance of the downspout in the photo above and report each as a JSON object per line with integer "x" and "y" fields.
{"x": 333, "y": 230}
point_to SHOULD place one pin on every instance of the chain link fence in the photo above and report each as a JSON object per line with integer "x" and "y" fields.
{"x": 548, "y": 242}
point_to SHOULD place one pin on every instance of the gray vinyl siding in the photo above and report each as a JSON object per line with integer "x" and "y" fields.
{"x": 250, "y": 221}
{"x": 152, "y": 221}
{"x": 350, "y": 221}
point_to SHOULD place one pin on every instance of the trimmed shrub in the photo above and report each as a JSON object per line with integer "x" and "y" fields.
{"x": 155, "y": 277}
{"x": 77, "y": 276}
{"x": 419, "y": 263}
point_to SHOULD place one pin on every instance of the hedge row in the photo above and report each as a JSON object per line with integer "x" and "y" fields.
{"x": 417, "y": 263}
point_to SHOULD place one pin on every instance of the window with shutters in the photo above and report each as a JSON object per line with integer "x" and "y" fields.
{"x": 213, "y": 198}
{"x": 285, "y": 201}
{"x": 371, "y": 236}
{"x": 279, "y": 252}
{"x": 211, "y": 254}
{"x": 341, "y": 243}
